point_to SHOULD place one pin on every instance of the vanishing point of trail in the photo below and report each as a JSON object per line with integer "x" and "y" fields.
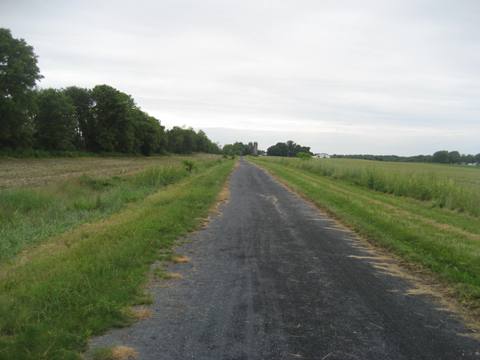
{"x": 270, "y": 277}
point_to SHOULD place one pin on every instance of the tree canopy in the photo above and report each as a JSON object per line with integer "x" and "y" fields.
{"x": 102, "y": 119}
{"x": 18, "y": 75}
{"x": 289, "y": 149}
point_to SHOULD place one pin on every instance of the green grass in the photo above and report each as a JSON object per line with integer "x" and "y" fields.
{"x": 452, "y": 187}
{"x": 30, "y": 215}
{"x": 79, "y": 283}
{"x": 445, "y": 241}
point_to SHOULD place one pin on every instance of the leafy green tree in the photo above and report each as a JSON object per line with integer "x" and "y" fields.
{"x": 149, "y": 134}
{"x": 114, "y": 123}
{"x": 237, "y": 148}
{"x": 304, "y": 156}
{"x": 279, "y": 149}
{"x": 289, "y": 148}
{"x": 18, "y": 75}
{"x": 56, "y": 127}
{"x": 467, "y": 159}
{"x": 477, "y": 158}
{"x": 441, "y": 157}
{"x": 83, "y": 102}
{"x": 454, "y": 157}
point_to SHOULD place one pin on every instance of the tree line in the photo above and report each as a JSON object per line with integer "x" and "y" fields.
{"x": 101, "y": 119}
{"x": 441, "y": 157}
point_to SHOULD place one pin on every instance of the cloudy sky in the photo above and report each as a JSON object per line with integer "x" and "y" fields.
{"x": 370, "y": 76}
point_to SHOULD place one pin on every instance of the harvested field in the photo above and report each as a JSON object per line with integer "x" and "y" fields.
{"x": 38, "y": 172}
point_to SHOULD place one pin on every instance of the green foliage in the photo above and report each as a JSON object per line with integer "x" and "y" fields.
{"x": 443, "y": 186}
{"x": 240, "y": 149}
{"x": 289, "y": 149}
{"x": 56, "y": 126}
{"x": 53, "y": 302}
{"x": 304, "y": 156}
{"x": 189, "y": 165}
{"x": 82, "y": 101}
{"x": 18, "y": 75}
{"x": 186, "y": 141}
{"x": 441, "y": 157}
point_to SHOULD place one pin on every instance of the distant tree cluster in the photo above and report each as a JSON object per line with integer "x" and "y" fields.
{"x": 442, "y": 157}
{"x": 239, "y": 149}
{"x": 289, "y": 149}
{"x": 102, "y": 119}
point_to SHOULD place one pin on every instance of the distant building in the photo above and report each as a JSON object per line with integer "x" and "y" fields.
{"x": 322, "y": 156}
{"x": 253, "y": 148}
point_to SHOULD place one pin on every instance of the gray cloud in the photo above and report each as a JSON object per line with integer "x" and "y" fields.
{"x": 396, "y": 76}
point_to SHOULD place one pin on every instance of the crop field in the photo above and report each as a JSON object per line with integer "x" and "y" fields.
{"x": 75, "y": 250}
{"x": 36, "y": 172}
{"x": 427, "y": 214}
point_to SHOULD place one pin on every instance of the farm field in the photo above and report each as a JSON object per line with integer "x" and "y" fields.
{"x": 427, "y": 214}
{"x": 36, "y": 172}
{"x": 94, "y": 239}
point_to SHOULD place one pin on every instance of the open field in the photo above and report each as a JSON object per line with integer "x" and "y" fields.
{"x": 35, "y": 172}
{"x": 81, "y": 281}
{"x": 445, "y": 241}
{"x": 29, "y": 215}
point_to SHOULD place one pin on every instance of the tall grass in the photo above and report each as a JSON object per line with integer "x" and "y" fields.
{"x": 452, "y": 187}
{"x": 28, "y": 216}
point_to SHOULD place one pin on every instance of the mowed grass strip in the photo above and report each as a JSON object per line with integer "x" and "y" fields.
{"x": 80, "y": 283}
{"x": 30, "y": 215}
{"x": 444, "y": 241}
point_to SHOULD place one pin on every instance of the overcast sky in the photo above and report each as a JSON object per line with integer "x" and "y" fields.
{"x": 380, "y": 76}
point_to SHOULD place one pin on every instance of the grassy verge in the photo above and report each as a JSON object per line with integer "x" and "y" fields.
{"x": 30, "y": 215}
{"x": 444, "y": 241}
{"x": 79, "y": 283}
{"x": 445, "y": 186}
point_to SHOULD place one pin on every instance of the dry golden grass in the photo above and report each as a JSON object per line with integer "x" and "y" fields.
{"x": 173, "y": 276}
{"x": 180, "y": 259}
{"x": 141, "y": 313}
{"x": 124, "y": 353}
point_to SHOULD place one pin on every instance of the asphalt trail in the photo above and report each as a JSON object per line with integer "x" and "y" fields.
{"x": 273, "y": 278}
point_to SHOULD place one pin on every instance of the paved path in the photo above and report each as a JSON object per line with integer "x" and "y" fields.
{"x": 273, "y": 278}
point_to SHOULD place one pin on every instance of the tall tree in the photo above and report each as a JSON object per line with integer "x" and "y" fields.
{"x": 112, "y": 116}
{"x": 289, "y": 148}
{"x": 441, "y": 157}
{"x": 56, "y": 127}
{"x": 83, "y": 102}
{"x": 149, "y": 134}
{"x": 18, "y": 75}
{"x": 454, "y": 157}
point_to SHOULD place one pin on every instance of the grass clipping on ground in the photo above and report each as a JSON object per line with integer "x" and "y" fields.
{"x": 52, "y": 303}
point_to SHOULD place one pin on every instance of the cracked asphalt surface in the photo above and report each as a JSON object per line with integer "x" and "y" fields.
{"x": 272, "y": 277}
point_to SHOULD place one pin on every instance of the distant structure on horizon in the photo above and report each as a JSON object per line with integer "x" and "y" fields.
{"x": 253, "y": 148}
{"x": 322, "y": 156}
